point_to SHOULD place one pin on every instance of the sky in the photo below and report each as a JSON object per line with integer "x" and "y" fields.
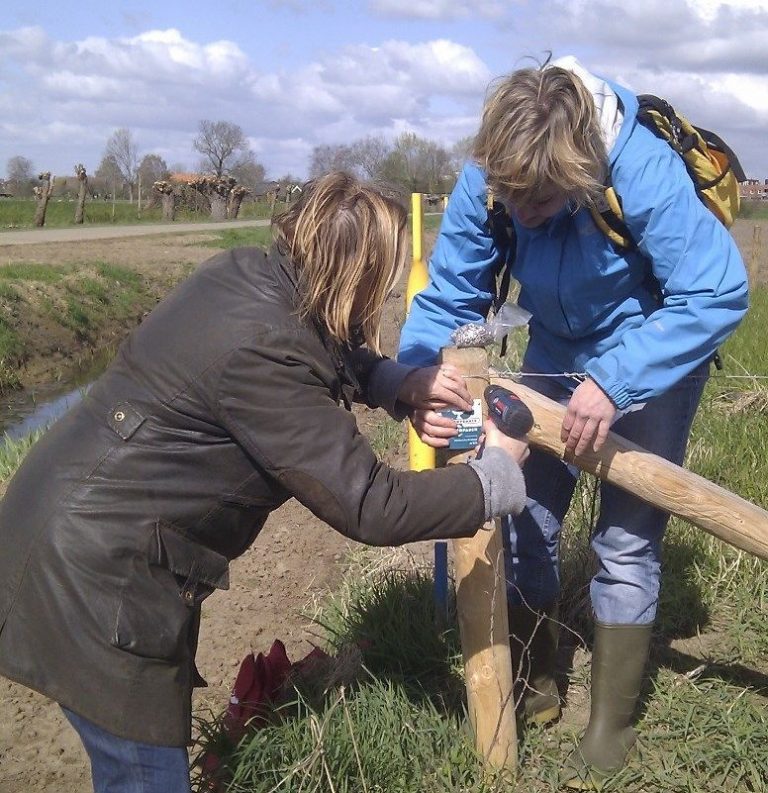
{"x": 295, "y": 74}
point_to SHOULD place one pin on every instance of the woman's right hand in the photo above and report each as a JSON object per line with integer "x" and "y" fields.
{"x": 516, "y": 447}
{"x": 433, "y": 428}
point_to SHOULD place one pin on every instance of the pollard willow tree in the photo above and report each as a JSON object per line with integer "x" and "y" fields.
{"x": 82, "y": 190}
{"x": 167, "y": 198}
{"x": 223, "y": 193}
{"x": 43, "y": 196}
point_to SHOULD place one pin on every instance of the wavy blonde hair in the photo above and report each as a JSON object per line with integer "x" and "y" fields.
{"x": 540, "y": 132}
{"x": 348, "y": 242}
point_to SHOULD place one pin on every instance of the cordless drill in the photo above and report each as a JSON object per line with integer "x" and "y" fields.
{"x": 509, "y": 413}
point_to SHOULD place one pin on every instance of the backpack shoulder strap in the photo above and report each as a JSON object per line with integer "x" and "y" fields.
{"x": 608, "y": 214}
{"x": 502, "y": 231}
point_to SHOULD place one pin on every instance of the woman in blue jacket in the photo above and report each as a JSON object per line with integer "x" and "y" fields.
{"x": 642, "y": 325}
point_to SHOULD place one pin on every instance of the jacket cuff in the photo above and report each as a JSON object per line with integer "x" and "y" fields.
{"x": 502, "y": 481}
{"x": 384, "y": 385}
{"x": 616, "y": 391}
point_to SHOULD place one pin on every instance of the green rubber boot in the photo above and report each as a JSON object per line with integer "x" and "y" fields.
{"x": 619, "y": 658}
{"x": 533, "y": 645}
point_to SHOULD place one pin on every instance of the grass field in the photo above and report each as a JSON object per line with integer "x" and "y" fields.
{"x": 20, "y": 213}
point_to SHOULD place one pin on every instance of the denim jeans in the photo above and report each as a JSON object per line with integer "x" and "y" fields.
{"x": 122, "y": 766}
{"x": 628, "y": 533}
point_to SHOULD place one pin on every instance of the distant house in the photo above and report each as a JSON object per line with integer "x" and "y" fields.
{"x": 266, "y": 191}
{"x": 754, "y": 189}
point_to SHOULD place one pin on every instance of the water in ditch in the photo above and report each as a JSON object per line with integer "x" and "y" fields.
{"x": 29, "y": 409}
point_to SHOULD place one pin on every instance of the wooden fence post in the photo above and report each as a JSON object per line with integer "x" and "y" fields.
{"x": 481, "y": 602}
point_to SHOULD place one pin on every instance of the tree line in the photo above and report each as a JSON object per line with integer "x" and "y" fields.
{"x": 228, "y": 171}
{"x": 410, "y": 163}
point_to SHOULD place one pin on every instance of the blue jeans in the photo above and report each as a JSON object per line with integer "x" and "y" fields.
{"x": 122, "y": 766}
{"x": 627, "y": 536}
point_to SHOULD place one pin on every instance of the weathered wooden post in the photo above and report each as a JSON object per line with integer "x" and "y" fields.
{"x": 481, "y": 602}
{"x": 651, "y": 478}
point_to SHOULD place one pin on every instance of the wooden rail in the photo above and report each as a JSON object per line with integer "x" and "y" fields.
{"x": 659, "y": 482}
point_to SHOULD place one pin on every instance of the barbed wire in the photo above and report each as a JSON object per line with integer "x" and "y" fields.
{"x": 517, "y": 375}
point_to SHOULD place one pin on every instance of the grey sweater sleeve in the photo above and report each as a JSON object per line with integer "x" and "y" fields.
{"x": 503, "y": 483}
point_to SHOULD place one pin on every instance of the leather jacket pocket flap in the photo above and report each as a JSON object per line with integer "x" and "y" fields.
{"x": 124, "y": 419}
{"x": 189, "y": 559}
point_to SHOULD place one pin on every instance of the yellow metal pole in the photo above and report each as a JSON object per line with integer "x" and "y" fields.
{"x": 420, "y": 456}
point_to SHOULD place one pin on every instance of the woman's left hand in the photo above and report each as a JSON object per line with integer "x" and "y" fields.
{"x": 435, "y": 388}
{"x": 588, "y": 418}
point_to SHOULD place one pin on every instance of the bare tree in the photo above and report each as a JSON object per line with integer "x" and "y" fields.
{"x": 364, "y": 158}
{"x": 167, "y": 198}
{"x": 42, "y": 196}
{"x": 82, "y": 188}
{"x": 153, "y": 168}
{"x": 368, "y": 156}
{"x": 20, "y": 174}
{"x": 461, "y": 151}
{"x": 327, "y": 158}
{"x": 419, "y": 165}
{"x": 223, "y": 145}
{"x": 248, "y": 172}
{"x": 108, "y": 172}
{"x": 122, "y": 149}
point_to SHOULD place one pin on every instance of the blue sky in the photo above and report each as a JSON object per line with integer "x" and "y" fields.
{"x": 294, "y": 73}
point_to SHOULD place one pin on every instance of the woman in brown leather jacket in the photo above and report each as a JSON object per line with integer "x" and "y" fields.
{"x": 228, "y": 400}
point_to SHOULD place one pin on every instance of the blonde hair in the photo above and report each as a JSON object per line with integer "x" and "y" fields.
{"x": 348, "y": 242}
{"x": 540, "y": 131}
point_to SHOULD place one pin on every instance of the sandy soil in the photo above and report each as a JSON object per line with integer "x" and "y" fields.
{"x": 295, "y": 561}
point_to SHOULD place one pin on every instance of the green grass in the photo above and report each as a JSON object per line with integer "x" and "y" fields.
{"x": 85, "y": 298}
{"x": 432, "y": 222}
{"x": 19, "y": 213}
{"x": 12, "y": 350}
{"x": 12, "y": 452}
{"x": 32, "y": 271}
{"x": 754, "y": 210}
{"x": 260, "y": 236}
{"x": 386, "y": 435}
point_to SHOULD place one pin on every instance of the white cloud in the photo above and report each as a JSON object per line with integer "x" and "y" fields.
{"x": 709, "y": 9}
{"x": 706, "y": 56}
{"x": 160, "y": 84}
{"x": 439, "y": 9}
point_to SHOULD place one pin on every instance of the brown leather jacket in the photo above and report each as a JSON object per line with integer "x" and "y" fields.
{"x": 124, "y": 517}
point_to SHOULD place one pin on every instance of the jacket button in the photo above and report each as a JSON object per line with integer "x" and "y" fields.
{"x": 188, "y": 595}
{"x": 119, "y": 415}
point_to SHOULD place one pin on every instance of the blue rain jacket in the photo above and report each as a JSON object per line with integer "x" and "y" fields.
{"x": 595, "y": 309}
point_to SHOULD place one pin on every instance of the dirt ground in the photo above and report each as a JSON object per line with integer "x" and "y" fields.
{"x": 294, "y": 562}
